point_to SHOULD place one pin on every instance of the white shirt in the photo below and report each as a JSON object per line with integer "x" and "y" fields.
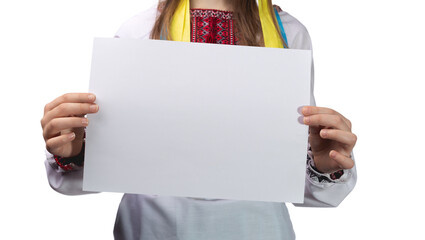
{"x": 171, "y": 218}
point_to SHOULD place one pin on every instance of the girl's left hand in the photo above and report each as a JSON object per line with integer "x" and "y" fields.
{"x": 331, "y": 139}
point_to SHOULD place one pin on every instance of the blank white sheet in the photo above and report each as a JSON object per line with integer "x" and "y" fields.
{"x": 198, "y": 120}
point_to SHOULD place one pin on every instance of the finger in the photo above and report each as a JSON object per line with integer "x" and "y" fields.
{"x": 70, "y": 98}
{"x": 59, "y": 141}
{"x": 312, "y": 110}
{"x": 57, "y": 125}
{"x": 69, "y": 109}
{"x": 344, "y": 137}
{"x": 343, "y": 161}
{"x": 327, "y": 121}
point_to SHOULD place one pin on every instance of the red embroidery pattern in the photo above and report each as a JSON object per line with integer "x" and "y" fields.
{"x": 337, "y": 175}
{"x": 59, "y": 161}
{"x": 212, "y": 26}
{"x": 71, "y": 163}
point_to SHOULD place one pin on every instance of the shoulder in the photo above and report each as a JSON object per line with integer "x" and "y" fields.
{"x": 140, "y": 25}
{"x": 296, "y": 33}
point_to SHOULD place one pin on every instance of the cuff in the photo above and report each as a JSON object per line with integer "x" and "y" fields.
{"x": 70, "y": 163}
{"x": 317, "y": 176}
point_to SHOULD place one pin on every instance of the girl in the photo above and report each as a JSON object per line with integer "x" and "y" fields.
{"x": 330, "y": 168}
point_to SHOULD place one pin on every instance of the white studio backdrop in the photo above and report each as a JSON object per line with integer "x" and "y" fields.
{"x": 369, "y": 66}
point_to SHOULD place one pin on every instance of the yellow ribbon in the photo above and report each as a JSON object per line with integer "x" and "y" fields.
{"x": 180, "y": 24}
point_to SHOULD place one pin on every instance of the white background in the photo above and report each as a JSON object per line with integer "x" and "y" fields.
{"x": 369, "y": 56}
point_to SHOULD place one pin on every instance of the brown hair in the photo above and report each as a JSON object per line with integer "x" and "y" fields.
{"x": 245, "y": 13}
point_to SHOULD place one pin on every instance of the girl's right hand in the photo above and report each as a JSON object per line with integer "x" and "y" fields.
{"x": 63, "y": 123}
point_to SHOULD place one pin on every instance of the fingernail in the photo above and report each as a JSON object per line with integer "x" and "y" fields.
{"x": 300, "y": 109}
{"x": 301, "y": 119}
{"x": 71, "y": 136}
{"x": 332, "y": 154}
{"x": 91, "y": 97}
{"x": 307, "y": 120}
{"x": 323, "y": 133}
{"x": 93, "y": 108}
{"x": 85, "y": 121}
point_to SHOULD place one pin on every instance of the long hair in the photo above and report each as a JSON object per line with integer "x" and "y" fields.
{"x": 245, "y": 13}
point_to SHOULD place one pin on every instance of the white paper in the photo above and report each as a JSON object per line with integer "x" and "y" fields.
{"x": 198, "y": 120}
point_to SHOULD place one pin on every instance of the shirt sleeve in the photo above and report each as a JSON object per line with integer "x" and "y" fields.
{"x": 139, "y": 26}
{"x": 63, "y": 181}
{"x": 320, "y": 189}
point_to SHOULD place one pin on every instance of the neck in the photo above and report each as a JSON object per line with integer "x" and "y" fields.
{"x": 225, "y": 5}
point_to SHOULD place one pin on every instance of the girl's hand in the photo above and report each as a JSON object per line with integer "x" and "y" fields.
{"x": 63, "y": 123}
{"x": 331, "y": 139}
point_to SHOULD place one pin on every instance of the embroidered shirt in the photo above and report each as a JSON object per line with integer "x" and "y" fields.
{"x": 159, "y": 217}
{"x": 212, "y": 26}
